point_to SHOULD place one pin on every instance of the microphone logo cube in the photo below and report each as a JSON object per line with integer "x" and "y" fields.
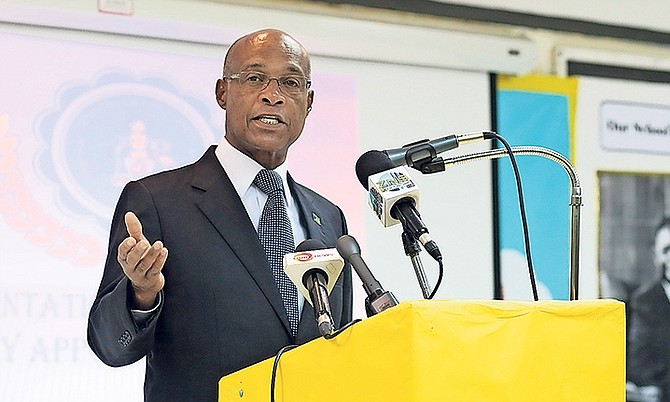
{"x": 386, "y": 188}
{"x": 327, "y": 260}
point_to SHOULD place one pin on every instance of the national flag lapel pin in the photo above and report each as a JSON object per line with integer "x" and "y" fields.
{"x": 316, "y": 218}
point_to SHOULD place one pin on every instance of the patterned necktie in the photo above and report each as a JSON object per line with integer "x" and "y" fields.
{"x": 276, "y": 236}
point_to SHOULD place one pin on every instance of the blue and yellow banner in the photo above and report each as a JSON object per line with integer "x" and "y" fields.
{"x": 535, "y": 110}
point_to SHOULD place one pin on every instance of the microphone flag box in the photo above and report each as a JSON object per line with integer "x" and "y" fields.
{"x": 387, "y": 188}
{"x": 327, "y": 260}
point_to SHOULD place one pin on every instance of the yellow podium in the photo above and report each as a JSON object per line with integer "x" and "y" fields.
{"x": 460, "y": 351}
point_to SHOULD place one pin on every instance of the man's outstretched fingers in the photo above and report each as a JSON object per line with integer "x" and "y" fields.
{"x": 157, "y": 266}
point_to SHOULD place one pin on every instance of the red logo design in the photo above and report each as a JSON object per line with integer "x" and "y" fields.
{"x": 303, "y": 257}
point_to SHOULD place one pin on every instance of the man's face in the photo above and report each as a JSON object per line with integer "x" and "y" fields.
{"x": 263, "y": 123}
{"x": 662, "y": 250}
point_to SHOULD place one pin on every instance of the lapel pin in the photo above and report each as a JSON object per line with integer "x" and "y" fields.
{"x": 316, "y": 218}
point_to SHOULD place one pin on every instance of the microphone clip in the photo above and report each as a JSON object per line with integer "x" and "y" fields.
{"x": 433, "y": 166}
{"x": 422, "y": 154}
{"x": 418, "y": 153}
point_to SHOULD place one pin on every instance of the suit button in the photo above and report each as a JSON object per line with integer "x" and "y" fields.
{"x": 125, "y": 338}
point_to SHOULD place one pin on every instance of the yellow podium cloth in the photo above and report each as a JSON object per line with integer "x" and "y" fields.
{"x": 500, "y": 351}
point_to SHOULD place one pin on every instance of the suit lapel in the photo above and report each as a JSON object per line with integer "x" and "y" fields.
{"x": 310, "y": 216}
{"x": 224, "y": 209}
{"x": 663, "y": 302}
{"x": 310, "y": 213}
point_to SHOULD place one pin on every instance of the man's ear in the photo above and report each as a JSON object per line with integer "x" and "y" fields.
{"x": 310, "y": 100}
{"x": 220, "y": 92}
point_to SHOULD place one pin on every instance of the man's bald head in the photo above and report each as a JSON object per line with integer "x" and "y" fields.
{"x": 265, "y": 37}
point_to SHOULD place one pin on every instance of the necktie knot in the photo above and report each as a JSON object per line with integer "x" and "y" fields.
{"x": 269, "y": 182}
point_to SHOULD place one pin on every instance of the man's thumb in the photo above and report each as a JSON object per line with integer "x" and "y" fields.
{"x": 133, "y": 226}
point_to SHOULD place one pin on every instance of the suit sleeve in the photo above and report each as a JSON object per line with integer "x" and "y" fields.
{"x": 644, "y": 362}
{"x": 113, "y": 334}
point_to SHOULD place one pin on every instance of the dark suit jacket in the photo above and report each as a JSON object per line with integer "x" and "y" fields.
{"x": 649, "y": 339}
{"x": 221, "y": 309}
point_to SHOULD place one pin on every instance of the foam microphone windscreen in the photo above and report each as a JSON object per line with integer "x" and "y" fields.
{"x": 372, "y": 162}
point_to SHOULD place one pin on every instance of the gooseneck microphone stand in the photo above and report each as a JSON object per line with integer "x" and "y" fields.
{"x": 575, "y": 199}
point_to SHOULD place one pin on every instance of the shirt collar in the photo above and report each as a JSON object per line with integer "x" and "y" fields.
{"x": 242, "y": 170}
{"x": 665, "y": 282}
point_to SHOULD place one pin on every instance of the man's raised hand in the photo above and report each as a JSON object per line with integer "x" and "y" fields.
{"x": 142, "y": 263}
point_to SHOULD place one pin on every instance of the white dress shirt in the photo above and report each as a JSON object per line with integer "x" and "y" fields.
{"x": 666, "y": 288}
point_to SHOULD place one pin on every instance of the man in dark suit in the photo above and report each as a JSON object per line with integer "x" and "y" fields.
{"x": 212, "y": 306}
{"x": 649, "y": 339}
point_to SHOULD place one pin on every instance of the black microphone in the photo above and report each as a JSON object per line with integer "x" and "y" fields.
{"x": 377, "y": 300}
{"x": 422, "y": 155}
{"x": 375, "y": 168}
{"x": 412, "y": 250}
{"x": 311, "y": 268}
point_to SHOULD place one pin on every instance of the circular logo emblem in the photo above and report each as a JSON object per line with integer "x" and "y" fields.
{"x": 104, "y": 134}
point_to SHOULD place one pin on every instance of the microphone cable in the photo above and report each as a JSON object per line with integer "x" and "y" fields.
{"x": 275, "y": 363}
{"x": 522, "y": 208}
{"x": 339, "y": 331}
{"x": 439, "y": 279}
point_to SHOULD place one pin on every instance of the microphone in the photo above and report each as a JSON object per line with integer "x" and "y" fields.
{"x": 421, "y": 155}
{"x": 377, "y": 300}
{"x": 314, "y": 269}
{"x": 412, "y": 250}
{"x": 393, "y": 196}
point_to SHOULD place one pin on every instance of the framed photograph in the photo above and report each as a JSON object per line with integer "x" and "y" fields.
{"x": 634, "y": 250}
{"x": 631, "y": 206}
